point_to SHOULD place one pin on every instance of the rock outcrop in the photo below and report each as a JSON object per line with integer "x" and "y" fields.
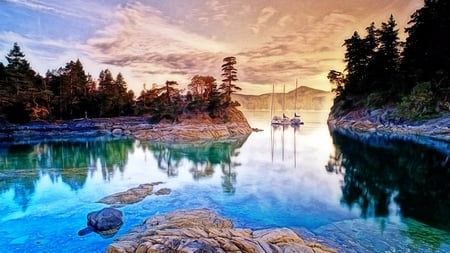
{"x": 381, "y": 122}
{"x": 204, "y": 231}
{"x": 189, "y": 128}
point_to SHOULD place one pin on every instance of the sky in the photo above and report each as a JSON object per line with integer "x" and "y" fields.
{"x": 277, "y": 42}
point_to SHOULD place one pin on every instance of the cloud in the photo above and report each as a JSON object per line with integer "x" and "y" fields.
{"x": 153, "y": 41}
{"x": 264, "y": 16}
{"x": 285, "y": 21}
{"x": 60, "y": 8}
{"x": 277, "y": 71}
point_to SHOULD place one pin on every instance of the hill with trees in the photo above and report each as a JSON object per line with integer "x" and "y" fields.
{"x": 304, "y": 98}
{"x": 410, "y": 78}
{"x": 70, "y": 93}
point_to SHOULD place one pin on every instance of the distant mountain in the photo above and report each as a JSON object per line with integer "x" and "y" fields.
{"x": 307, "y": 99}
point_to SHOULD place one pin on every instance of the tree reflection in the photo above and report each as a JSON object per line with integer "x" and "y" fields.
{"x": 204, "y": 159}
{"x": 378, "y": 170}
{"x": 21, "y": 166}
{"x": 71, "y": 162}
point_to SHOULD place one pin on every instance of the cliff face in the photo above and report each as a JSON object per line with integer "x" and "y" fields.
{"x": 307, "y": 99}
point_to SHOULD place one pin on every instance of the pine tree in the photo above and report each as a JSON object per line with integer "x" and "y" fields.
{"x": 107, "y": 93}
{"x": 357, "y": 59}
{"x": 124, "y": 97}
{"x": 426, "y": 57}
{"x": 229, "y": 75}
{"x": 387, "y": 57}
{"x": 20, "y": 76}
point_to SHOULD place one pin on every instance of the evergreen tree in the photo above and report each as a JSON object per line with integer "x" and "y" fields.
{"x": 387, "y": 57}
{"x": 357, "y": 59}
{"x": 229, "y": 75}
{"x": 70, "y": 86}
{"x": 4, "y": 88}
{"x": 20, "y": 76}
{"x": 107, "y": 93}
{"x": 19, "y": 82}
{"x": 125, "y": 98}
{"x": 426, "y": 56}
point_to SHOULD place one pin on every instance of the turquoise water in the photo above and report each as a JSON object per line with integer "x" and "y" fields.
{"x": 358, "y": 197}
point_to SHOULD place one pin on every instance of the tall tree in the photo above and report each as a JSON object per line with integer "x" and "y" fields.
{"x": 170, "y": 91}
{"x": 20, "y": 75}
{"x": 125, "y": 97}
{"x": 387, "y": 57}
{"x": 357, "y": 59}
{"x": 229, "y": 75}
{"x": 20, "y": 83}
{"x": 426, "y": 57}
{"x": 107, "y": 93}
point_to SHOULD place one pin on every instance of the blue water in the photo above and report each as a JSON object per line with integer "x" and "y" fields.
{"x": 274, "y": 178}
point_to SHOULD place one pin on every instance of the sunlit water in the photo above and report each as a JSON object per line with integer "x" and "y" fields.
{"x": 346, "y": 194}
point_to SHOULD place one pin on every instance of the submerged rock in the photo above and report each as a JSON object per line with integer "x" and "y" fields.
{"x": 132, "y": 195}
{"x": 105, "y": 222}
{"x": 202, "y": 230}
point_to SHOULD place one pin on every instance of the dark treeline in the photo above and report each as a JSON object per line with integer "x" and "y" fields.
{"x": 69, "y": 92}
{"x": 410, "y": 76}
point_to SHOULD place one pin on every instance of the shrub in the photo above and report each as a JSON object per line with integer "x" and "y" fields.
{"x": 418, "y": 105}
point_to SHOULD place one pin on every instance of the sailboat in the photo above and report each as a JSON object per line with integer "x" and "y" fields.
{"x": 277, "y": 120}
{"x": 296, "y": 121}
{"x": 285, "y": 120}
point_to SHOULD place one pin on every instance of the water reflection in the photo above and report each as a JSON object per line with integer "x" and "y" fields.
{"x": 205, "y": 158}
{"x": 23, "y": 165}
{"x": 286, "y": 131}
{"x": 380, "y": 173}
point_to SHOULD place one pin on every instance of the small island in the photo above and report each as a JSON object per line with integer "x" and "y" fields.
{"x": 68, "y": 103}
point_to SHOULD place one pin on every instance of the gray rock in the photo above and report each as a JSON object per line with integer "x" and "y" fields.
{"x": 105, "y": 222}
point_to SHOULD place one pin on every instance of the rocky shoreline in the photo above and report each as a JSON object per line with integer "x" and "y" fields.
{"x": 202, "y": 230}
{"x": 188, "y": 130}
{"x": 194, "y": 230}
{"x": 364, "y": 124}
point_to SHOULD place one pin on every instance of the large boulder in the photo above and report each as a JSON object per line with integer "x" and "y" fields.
{"x": 105, "y": 222}
{"x": 202, "y": 230}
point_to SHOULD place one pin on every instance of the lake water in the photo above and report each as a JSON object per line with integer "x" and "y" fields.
{"x": 376, "y": 196}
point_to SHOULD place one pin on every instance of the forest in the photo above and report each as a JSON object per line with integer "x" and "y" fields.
{"x": 412, "y": 77}
{"x": 70, "y": 93}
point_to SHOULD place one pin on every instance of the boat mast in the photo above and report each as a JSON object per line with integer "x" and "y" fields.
{"x": 271, "y": 106}
{"x": 284, "y": 97}
{"x": 295, "y": 103}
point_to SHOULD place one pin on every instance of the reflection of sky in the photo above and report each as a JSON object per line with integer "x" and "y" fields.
{"x": 293, "y": 190}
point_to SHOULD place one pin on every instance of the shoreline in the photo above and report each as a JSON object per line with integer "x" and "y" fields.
{"x": 362, "y": 124}
{"x": 193, "y": 130}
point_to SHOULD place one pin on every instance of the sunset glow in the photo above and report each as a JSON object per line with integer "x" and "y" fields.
{"x": 154, "y": 41}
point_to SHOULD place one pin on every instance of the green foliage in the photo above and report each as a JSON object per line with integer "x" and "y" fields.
{"x": 427, "y": 48}
{"x": 229, "y": 75}
{"x": 418, "y": 105}
{"x": 376, "y": 75}
{"x": 68, "y": 93}
{"x": 376, "y": 99}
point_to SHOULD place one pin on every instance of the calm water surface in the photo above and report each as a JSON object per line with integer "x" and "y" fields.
{"x": 376, "y": 196}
